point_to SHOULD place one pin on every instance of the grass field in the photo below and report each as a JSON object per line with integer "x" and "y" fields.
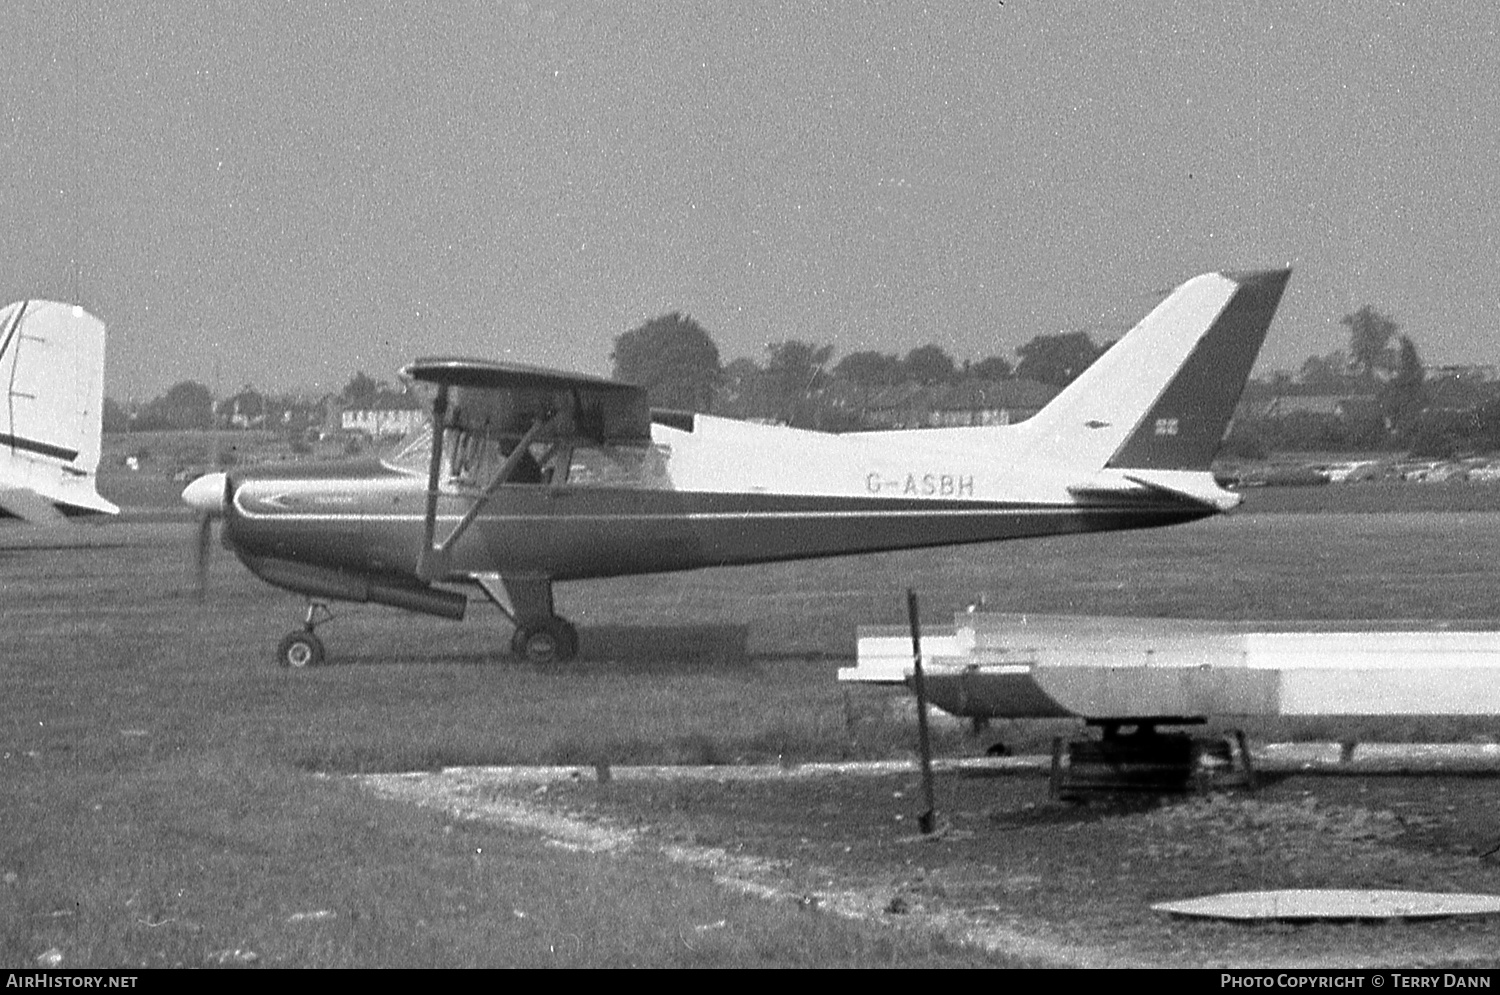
{"x": 165, "y": 795}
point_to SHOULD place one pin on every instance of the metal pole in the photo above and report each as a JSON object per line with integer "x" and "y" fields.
{"x": 928, "y": 819}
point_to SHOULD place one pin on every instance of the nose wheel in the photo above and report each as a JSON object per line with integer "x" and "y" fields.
{"x": 550, "y": 640}
{"x": 302, "y": 648}
{"x": 299, "y": 650}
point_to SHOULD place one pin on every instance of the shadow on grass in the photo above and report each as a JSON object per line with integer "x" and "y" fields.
{"x": 583, "y": 750}
{"x": 1071, "y": 813}
{"x": 435, "y": 658}
{"x": 634, "y": 649}
{"x": 811, "y": 656}
{"x": 711, "y": 645}
{"x": 22, "y": 547}
{"x": 1095, "y": 808}
{"x": 1453, "y": 773}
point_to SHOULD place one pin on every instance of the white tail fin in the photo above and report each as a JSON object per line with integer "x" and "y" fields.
{"x": 1161, "y": 398}
{"x": 51, "y": 412}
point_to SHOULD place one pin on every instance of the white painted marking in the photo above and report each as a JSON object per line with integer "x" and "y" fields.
{"x": 1333, "y": 903}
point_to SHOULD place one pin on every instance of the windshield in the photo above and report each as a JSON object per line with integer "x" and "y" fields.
{"x": 411, "y": 452}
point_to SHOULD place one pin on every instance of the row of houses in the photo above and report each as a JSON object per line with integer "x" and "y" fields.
{"x": 388, "y": 412}
{"x": 394, "y": 413}
{"x": 1005, "y": 402}
{"x": 972, "y": 402}
{"x": 1454, "y": 388}
{"x": 384, "y": 413}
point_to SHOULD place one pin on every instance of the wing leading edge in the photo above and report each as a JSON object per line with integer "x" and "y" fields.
{"x": 507, "y": 399}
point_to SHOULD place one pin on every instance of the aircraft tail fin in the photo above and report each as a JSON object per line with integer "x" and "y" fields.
{"x": 1162, "y": 397}
{"x": 51, "y": 413}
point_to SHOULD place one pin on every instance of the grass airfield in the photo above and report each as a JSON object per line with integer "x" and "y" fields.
{"x": 169, "y": 797}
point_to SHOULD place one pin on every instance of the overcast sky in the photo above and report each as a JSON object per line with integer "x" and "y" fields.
{"x": 283, "y": 193}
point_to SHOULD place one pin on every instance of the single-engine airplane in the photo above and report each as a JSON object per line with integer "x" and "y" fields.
{"x": 52, "y": 365}
{"x": 535, "y": 476}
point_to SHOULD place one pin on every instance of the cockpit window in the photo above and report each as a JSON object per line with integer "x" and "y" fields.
{"x": 471, "y": 459}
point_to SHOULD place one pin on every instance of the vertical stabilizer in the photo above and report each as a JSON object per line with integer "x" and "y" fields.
{"x": 1162, "y": 397}
{"x": 51, "y": 412}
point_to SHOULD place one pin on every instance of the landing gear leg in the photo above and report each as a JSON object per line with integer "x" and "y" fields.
{"x": 541, "y": 636}
{"x": 302, "y": 648}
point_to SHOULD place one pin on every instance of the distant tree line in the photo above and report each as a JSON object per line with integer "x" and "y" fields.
{"x": 1376, "y": 394}
{"x": 797, "y": 383}
{"x": 191, "y": 406}
{"x": 1381, "y": 394}
{"x": 186, "y": 405}
{"x": 1385, "y": 401}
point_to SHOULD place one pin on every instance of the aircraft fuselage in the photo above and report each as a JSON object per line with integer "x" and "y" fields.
{"x": 370, "y": 519}
{"x": 530, "y": 476}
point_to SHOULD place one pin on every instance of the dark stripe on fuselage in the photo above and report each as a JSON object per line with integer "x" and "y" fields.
{"x": 42, "y": 448}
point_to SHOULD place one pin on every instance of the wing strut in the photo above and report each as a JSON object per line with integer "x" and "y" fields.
{"x": 434, "y": 468}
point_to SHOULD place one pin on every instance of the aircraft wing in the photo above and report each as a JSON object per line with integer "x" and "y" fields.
{"x": 508, "y": 399}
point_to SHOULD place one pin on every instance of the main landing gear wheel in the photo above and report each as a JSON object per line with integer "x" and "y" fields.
{"x": 550, "y": 641}
{"x": 300, "y": 649}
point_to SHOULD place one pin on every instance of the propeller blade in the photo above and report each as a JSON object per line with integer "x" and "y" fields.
{"x": 208, "y": 496}
{"x": 205, "y": 538}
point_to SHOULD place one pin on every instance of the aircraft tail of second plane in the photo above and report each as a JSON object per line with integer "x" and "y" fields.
{"x": 52, "y": 368}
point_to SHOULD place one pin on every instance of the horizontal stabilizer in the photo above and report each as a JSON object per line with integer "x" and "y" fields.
{"x": 1155, "y": 487}
{"x": 1189, "y": 487}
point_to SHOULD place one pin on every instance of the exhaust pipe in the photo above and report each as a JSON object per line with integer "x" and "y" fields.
{"x": 424, "y": 600}
{"x": 339, "y": 585}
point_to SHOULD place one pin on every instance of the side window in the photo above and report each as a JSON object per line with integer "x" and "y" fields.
{"x": 472, "y": 459}
{"x": 641, "y": 467}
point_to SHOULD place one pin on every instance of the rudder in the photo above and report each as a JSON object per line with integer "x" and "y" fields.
{"x": 52, "y": 370}
{"x": 1161, "y": 398}
{"x": 1183, "y": 429}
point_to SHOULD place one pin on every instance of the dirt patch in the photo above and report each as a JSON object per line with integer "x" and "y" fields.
{"x": 1057, "y": 883}
{"x": 490, "y": 794}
